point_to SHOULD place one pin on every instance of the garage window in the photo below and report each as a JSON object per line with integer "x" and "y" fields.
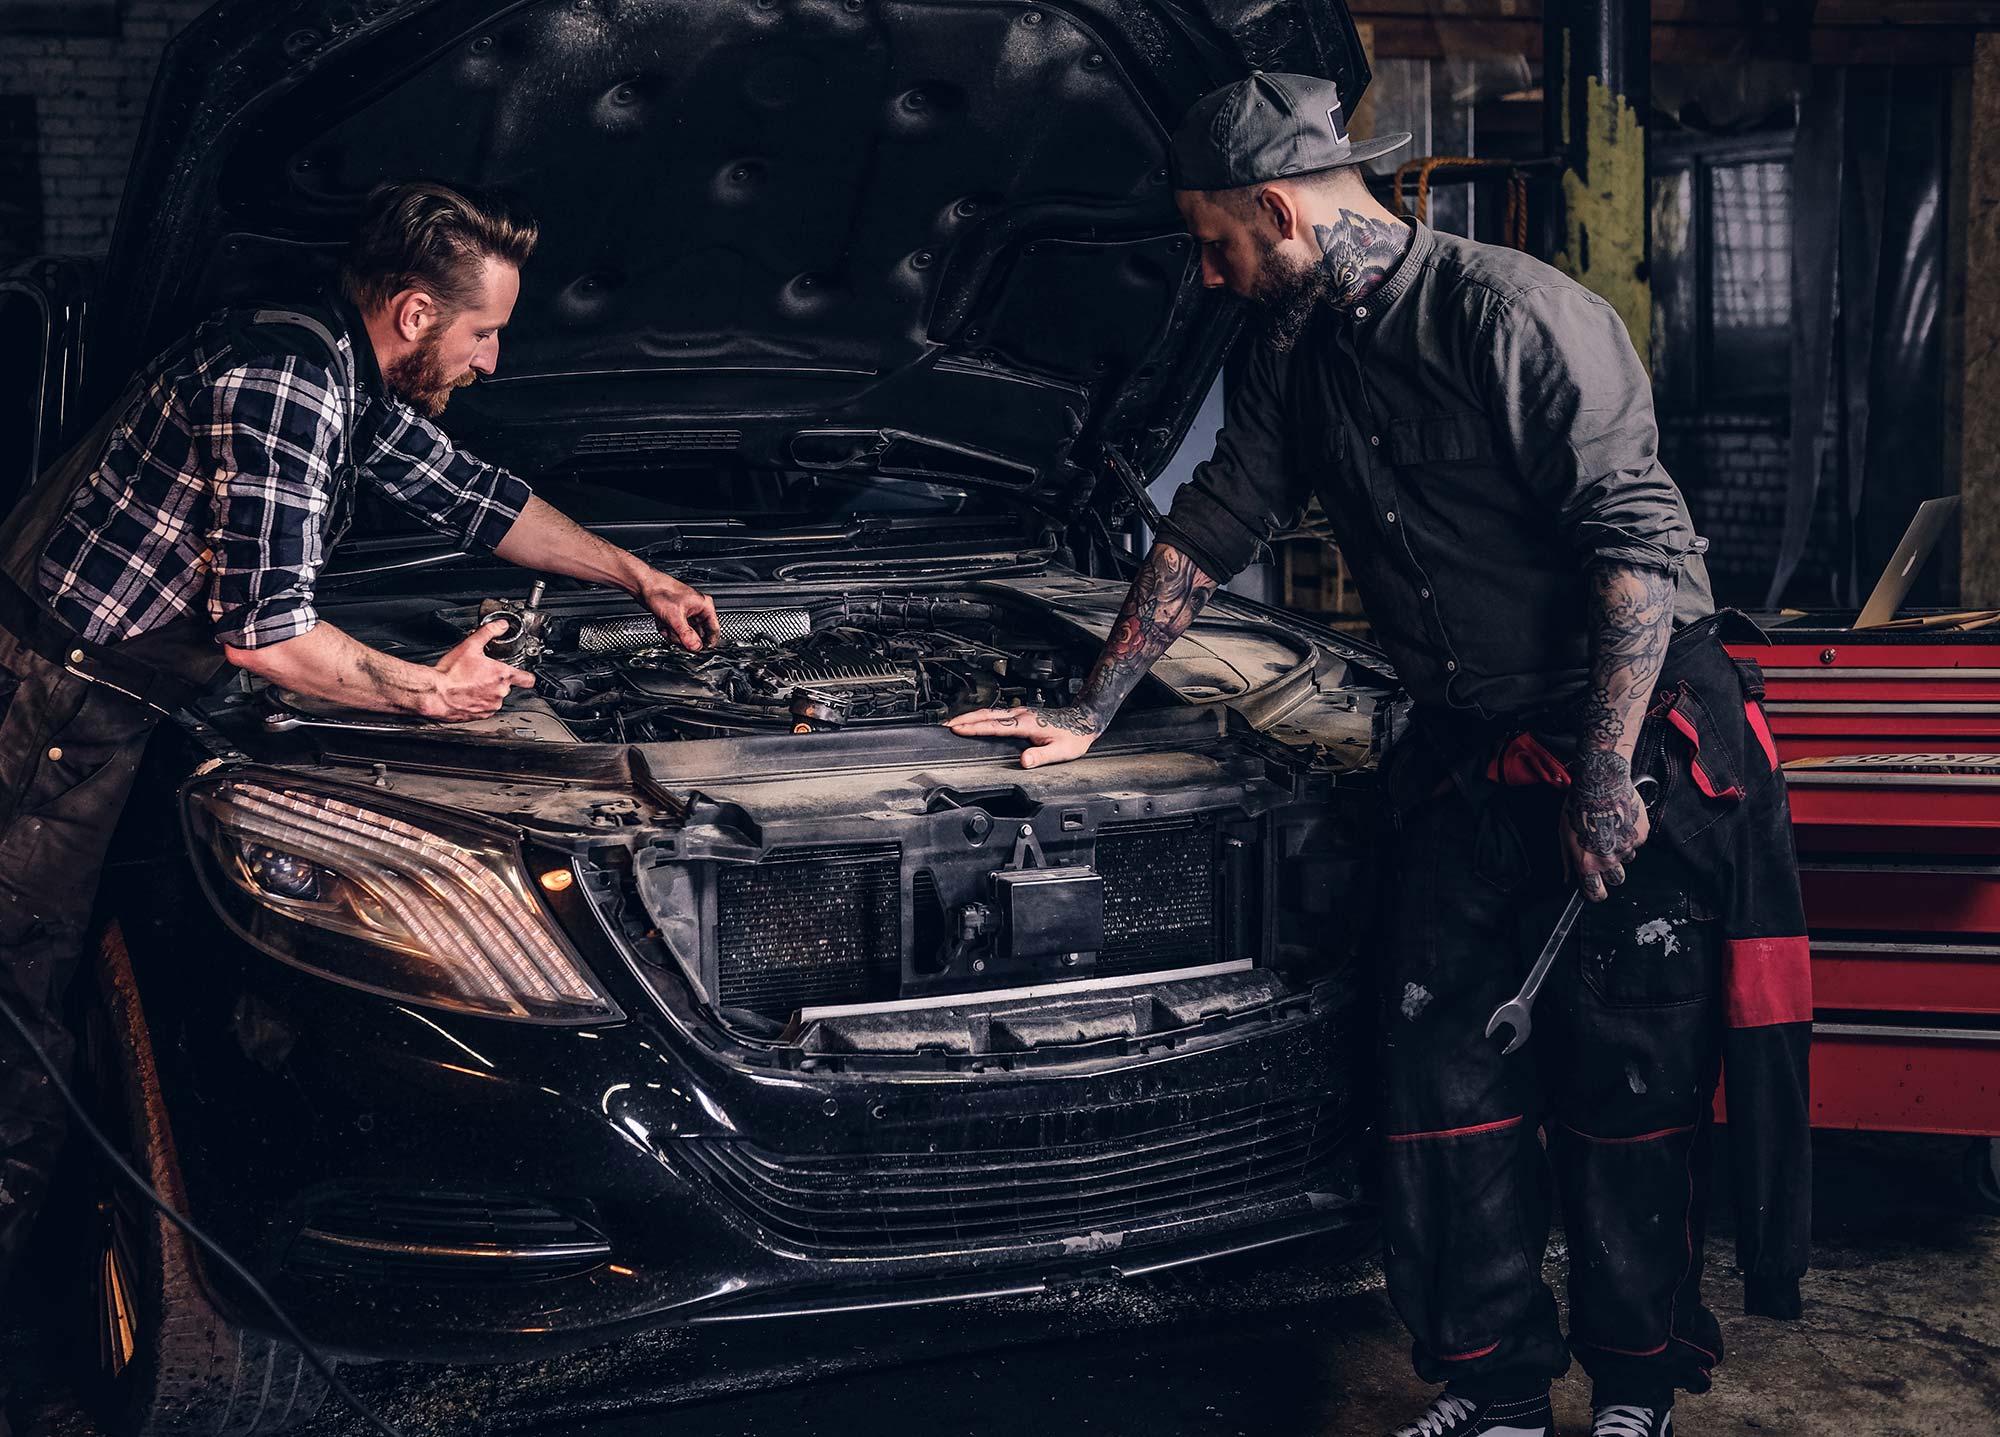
{"x": 1722, "y": 279}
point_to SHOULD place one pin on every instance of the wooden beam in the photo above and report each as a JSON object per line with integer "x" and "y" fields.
{"x": 1951, "y": 14}
{"x": 1844, "y": 32}
{"x": 1979, "y": 443}
{"x": 1409, "y": 39}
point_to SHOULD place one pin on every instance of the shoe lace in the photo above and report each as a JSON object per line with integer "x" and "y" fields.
{"x": 1623, "y": 1422}
{"x": 1439, "y": 1420}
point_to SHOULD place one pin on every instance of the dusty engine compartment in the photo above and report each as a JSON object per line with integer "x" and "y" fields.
{"x": 832, "y": 663}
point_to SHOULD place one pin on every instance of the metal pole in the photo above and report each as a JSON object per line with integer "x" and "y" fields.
{"x": 1596, "y": 63}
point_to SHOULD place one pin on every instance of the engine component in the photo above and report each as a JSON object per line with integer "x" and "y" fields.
{"x": 738, "y": 626}
{"x": 817, "y": 709}
{"x": 524, "y": 639}
{"x": 843, "y": 663}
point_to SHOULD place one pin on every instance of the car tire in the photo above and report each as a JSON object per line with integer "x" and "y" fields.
{"x": 1981, "y": 1175}
{"x": 159, "y": 1359}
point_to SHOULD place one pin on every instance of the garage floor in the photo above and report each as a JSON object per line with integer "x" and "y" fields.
{"x": 1902, "y": 1340}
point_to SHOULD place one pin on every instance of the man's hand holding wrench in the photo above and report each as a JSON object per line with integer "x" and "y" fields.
{"x": 1517, "y": 1012}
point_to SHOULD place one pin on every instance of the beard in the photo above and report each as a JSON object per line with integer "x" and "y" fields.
{"x": 421, "y": 379}
{"x": 1288, "y": 291}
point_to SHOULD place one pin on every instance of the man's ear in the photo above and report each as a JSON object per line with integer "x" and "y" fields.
{"x": 1278, "y": 208}
{"x": 412, "y": 312}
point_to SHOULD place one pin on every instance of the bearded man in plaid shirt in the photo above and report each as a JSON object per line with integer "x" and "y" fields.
{"x": 187, "y": 533}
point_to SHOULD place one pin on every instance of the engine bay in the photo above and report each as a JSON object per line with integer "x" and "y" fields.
{"x": 830, "y": 664}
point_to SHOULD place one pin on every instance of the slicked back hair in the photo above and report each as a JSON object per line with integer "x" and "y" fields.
{"x": 430, "y": 236}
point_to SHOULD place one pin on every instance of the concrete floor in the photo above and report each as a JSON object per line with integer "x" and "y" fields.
{"x": 1902, "y": 1339}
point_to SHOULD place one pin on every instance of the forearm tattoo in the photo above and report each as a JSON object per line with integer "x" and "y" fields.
{"x": 1358, "y": 251}
{"x": 1632, "y": 619}
{"x": 1170, "y": 591}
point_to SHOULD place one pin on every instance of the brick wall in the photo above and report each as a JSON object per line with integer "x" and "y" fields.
{"x": 1734, "y": 470}
{"x": 89, "y": 93}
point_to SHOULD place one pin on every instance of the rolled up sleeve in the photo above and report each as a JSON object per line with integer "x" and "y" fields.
{"x": 1568, "y": 392}
{"x": 1246, "y": 493}
{"x": 414, "y": 465}
{"x": 268, "y": 431}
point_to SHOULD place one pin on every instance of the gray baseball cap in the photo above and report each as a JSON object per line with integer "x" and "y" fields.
{"x": 1267, "y": 126}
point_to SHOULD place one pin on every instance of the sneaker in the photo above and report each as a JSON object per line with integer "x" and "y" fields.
{"x": 1624, "y": 1421}
{"x": 1453, "y": 1415}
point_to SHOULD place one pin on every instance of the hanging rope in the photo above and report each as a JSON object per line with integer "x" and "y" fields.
{"x": 1514, "y": 224}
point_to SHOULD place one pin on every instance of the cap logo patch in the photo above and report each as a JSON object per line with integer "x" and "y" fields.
{"x": 1333, "y": 119}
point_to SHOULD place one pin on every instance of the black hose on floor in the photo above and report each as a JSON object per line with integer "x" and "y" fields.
{"x": 195, "y": 1234}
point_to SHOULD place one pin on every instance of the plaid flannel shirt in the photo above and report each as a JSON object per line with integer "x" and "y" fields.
{"x": 215, "y": 493}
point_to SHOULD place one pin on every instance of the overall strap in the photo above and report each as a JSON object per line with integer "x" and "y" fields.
{"x": 340, "y": 363}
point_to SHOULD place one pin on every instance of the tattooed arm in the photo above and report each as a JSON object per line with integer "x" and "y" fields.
{"x": 1604, "y": 823}
{"x": 1169, "y": 591}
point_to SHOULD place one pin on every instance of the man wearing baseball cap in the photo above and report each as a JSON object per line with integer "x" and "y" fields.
{"x": 1480, "y": 433}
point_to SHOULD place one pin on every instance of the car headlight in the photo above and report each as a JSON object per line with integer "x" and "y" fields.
{"x": 419, "y": 906}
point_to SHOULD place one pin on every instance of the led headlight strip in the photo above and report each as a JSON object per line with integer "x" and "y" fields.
{"x": 462, "y": 909}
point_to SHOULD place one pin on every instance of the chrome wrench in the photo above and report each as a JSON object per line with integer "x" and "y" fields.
{"x": 1518, "y": 1011}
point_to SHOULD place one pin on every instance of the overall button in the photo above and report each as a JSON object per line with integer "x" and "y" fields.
{"x": 1423, "y": 593}
{"x": 1361, "y": 311}
{"x": 1376, "y": 440}
{"x": 1390, "y": 516}
{"x": 1451, "y": 666}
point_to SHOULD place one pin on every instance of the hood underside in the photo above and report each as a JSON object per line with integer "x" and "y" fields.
{"x": 930, "y": 237}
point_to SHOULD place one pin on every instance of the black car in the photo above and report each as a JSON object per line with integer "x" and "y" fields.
{"x": 700, "y": 987}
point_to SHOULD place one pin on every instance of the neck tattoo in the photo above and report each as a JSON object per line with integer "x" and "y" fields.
{"x": 1358, "y": 251}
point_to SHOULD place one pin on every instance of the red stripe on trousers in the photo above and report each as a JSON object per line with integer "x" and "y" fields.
{"x": 1455, "y": 1132}
{"x": 1642, "y": 1138}
{"x": 1468, "y": 1356}
{"x": 1702, "y": 780}
{"x": 1754, "y": 711}
{"x": 1768, "y": 980}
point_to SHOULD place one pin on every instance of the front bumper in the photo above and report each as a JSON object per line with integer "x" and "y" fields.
{"x": 417, "y": 1185}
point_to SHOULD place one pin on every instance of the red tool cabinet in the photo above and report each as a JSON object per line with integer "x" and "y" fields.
{"x": 1891, "y": 746}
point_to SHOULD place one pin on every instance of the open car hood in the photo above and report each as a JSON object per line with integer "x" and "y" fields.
{"x": 917, "y": 237}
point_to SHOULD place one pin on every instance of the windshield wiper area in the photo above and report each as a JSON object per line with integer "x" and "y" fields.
{"x": 648, "y": 538}
{"x": 918, "y": 566}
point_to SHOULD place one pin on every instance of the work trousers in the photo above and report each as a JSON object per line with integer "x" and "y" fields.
{"x": 1608, "y": 1106}
{"x": 68, "y": 751}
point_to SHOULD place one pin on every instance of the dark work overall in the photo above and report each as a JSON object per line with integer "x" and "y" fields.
{"x": 1609, "y": 1103}
{"x": 74, "y": 721}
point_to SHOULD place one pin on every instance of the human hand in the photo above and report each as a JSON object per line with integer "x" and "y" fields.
{"x": 1052, "y": 735}
{"x": 683, "y": 611}
{"x": 1604, "y": 822}
{"x": 469, "y": 683}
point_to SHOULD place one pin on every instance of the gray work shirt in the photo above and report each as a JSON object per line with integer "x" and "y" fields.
{"x": 1479, "y": 432}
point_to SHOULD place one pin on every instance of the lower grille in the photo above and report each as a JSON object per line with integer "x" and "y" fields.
{"x": 809, "y": 925}
{"x": 1162, "y": 894}
{"x": 881, "y": 1202}
{"x": 377, "y": 1237}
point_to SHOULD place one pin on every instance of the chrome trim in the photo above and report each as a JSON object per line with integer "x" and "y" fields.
{"x": 1835, "y": 706}
{"x": 1909, "y": 950}
{"x": 1991, "y": 675}
{"x": 554, "y": 1252}
{"x": 1039, "y": 990}
{"x": 1983, "y": 870}
{"x": 1819, "y": 777}
{"x": 1884, "y": 1030}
